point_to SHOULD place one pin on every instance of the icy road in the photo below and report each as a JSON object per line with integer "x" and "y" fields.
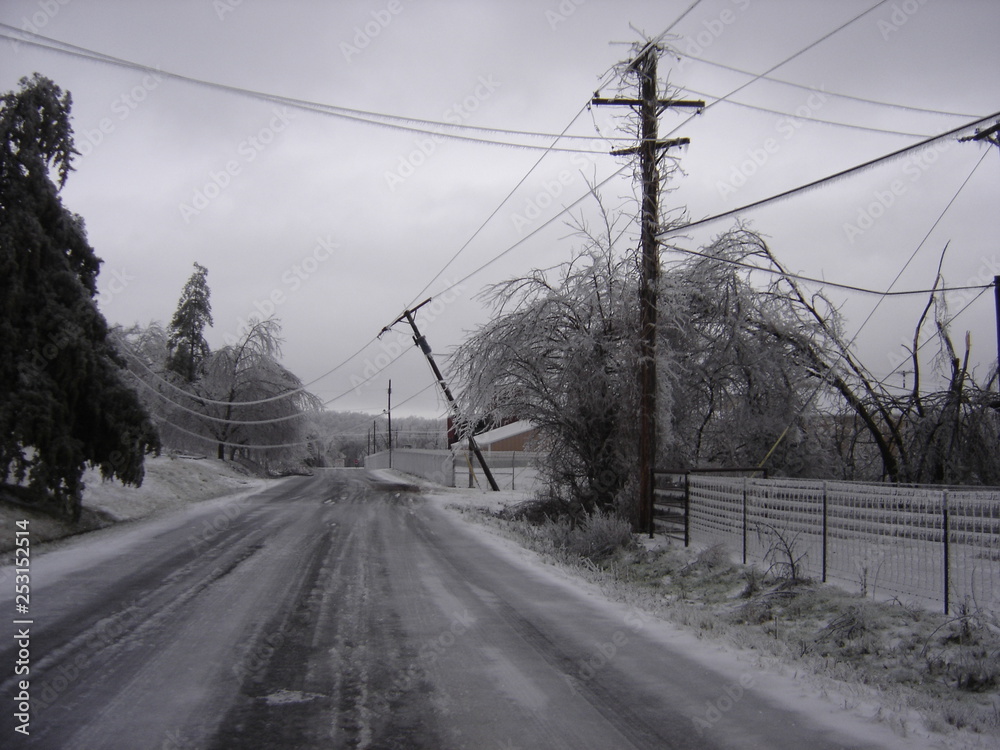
{"x": 336, "y": 611}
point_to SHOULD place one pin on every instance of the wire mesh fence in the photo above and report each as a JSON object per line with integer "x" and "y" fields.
{"x": 512, "y": 470}
{"x": 937, "y": 545}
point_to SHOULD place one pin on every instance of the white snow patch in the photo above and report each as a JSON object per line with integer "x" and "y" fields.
{"x": 169, "y": 483}
{"x": 65, "y": 556}
{"x": 282, "y": 697}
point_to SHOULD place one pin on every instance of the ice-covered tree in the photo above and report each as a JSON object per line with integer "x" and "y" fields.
{"x": 738, "y": 350}
{"x": 734, "y": 375}
{"x": 560, "y": 350}
{"x": 186, "y": 333}
{"x": 252, "y": 400}
{"x": 944, "y": 429}
{"x": 63, "y": 401}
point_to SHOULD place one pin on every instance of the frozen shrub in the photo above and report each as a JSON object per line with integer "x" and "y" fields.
{"x": 600, "y": 535}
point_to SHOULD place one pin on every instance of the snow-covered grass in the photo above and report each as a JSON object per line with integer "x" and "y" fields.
{"x": 914, "y": 670}
{"x": 170, "y": 483}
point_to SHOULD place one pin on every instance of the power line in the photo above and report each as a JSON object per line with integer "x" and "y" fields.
{"x": 845, "y": 350}
{"x": 672, "y": 132}
{"x": 210, "y": 418}
{"x": 251, "y": 446}
{"x": 157, "y": 376}
{"x": 936, "y": 222}
{"x": 824, "y": 282}
{"x": 566, "y": 208}
{"x": 227, "y": 444}
{"x": 787, "y": 60}
{"x": 807, "y": 118}
{"x": 378, "y": 119}
{"x": 535, "y": 231}
{"x": 604, "y": 79}
{"x": 493, "y": 213}
{"x": 126, "y": 347}
{"x": 946, "y": 323}
{"x": 831, "y": 93}
{"x": 830, "y": 178}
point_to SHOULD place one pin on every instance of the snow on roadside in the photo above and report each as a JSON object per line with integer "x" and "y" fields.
{"x": 62, "y": 557}
{"x": 170, "y": 483}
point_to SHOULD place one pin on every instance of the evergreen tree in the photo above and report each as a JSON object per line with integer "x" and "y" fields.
{"x": 63, "y": 401}
{"x": 186, "y": 340}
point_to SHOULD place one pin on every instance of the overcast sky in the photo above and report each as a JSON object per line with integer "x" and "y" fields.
{"x": 337, "y": 225}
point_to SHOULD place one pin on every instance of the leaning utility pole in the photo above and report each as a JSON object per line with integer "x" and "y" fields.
{"x": 644, "y": 64}
{"x": 421, "y": 341}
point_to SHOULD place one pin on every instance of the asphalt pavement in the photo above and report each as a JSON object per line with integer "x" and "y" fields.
{"x": 336, "y": 611}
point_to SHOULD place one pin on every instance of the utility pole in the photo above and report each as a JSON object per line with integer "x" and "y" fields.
{"x": 644, "y": 64}
{"x": 389, "y": 414}
{"x": 421, "y": 341}
{"x": 991, "y": 135}
{"x": 996, "y": 307}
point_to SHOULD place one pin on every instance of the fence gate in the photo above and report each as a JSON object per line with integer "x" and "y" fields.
{"x": 672, "y": 498}
{"x": 671, "y": 503}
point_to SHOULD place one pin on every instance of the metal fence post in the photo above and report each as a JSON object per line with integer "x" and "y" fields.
{"x": 687, "y": 510}
{"x": 944, "y": 536}
{"x": 744, "y": 520}
{"x": 824, "y": 530}
{"x": 652, "y": 502}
